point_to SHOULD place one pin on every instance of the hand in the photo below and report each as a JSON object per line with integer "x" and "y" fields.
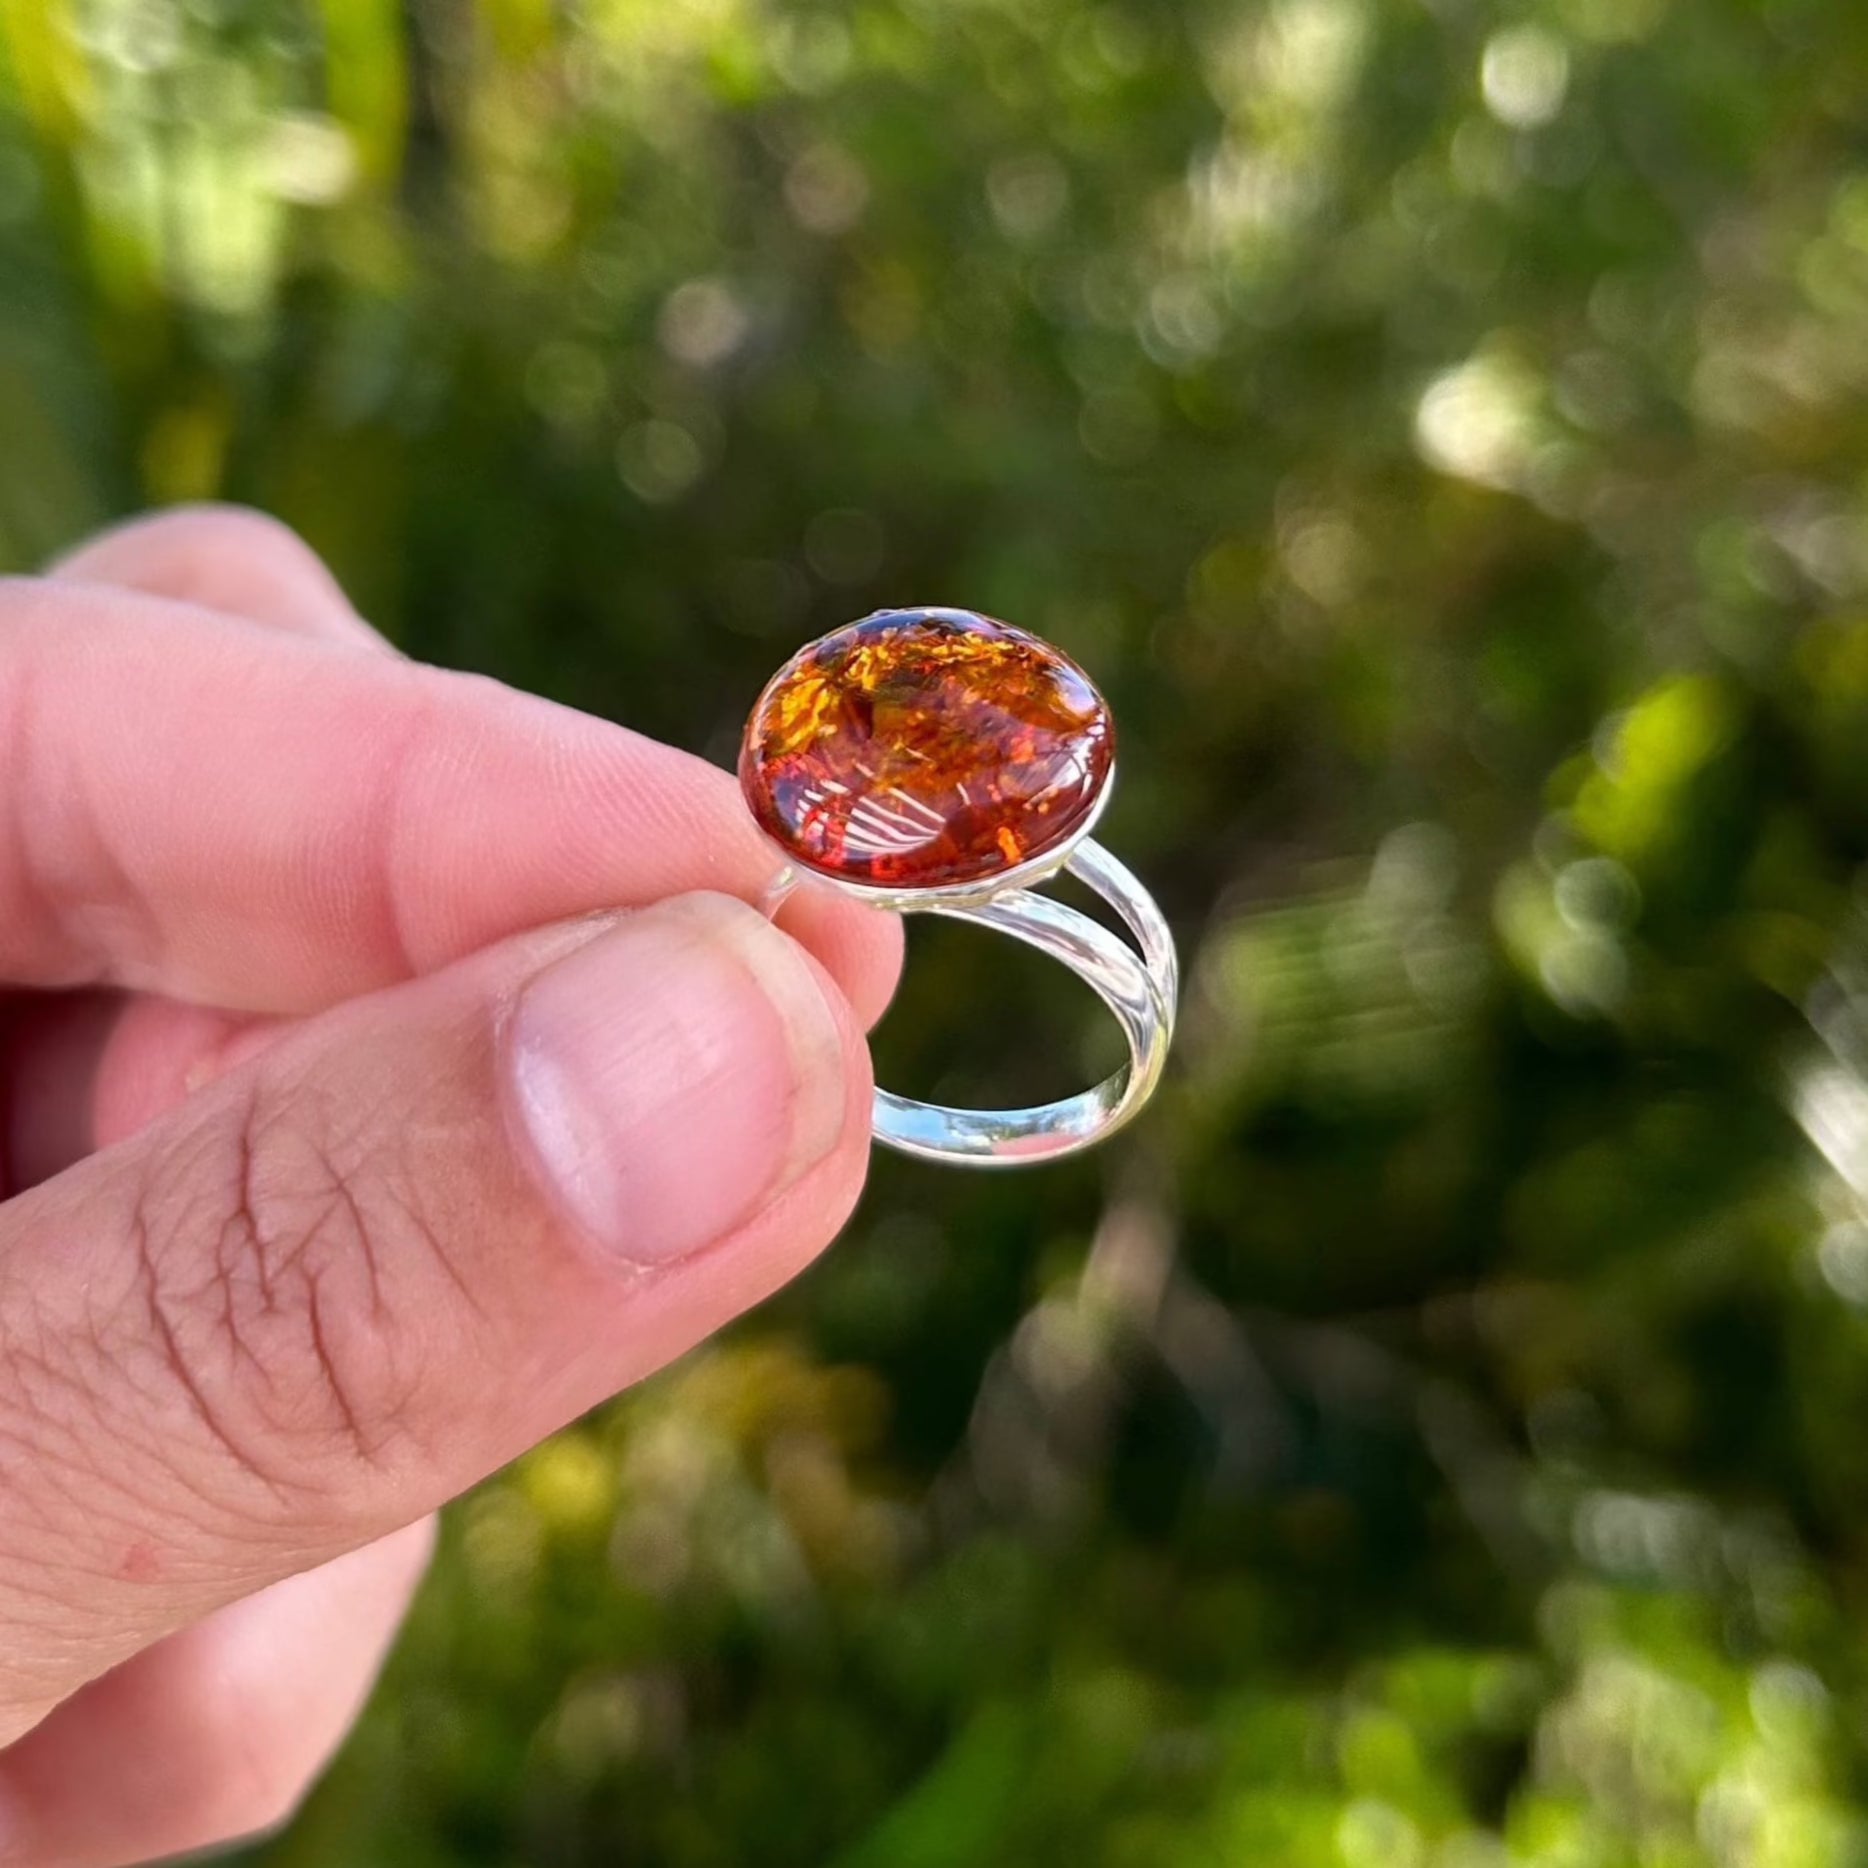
{"x": 379, "y": 1092}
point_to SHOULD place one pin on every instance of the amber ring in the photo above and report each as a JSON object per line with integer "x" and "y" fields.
{"x": 938, "y": 762}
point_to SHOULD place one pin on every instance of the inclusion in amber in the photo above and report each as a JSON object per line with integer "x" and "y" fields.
{"x": 925, "y": 749}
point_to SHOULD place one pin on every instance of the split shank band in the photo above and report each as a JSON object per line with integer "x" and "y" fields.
{"x": 1140, "y": 988}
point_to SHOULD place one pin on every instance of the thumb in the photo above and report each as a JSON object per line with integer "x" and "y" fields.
{"x": 415, "y": 1235}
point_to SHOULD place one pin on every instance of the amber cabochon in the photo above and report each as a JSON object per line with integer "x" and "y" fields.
{"x": 925, "y": 748}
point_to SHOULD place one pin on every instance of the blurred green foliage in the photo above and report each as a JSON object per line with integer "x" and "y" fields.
{"x": 1433, "y": 1437}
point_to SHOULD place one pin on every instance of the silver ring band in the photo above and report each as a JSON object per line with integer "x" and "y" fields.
{"x": 1141, "y": 992}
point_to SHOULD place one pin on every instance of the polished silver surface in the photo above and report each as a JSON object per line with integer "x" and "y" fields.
{"x": 1141, "y": 990}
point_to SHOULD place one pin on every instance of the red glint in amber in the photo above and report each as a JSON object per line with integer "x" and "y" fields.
{"x": 925, "y": 749}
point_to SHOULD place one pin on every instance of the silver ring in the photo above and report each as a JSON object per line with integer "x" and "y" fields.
{"x": 934, "y": 761}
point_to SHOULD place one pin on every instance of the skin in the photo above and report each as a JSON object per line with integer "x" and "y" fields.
{"x": 390, "y": 1070}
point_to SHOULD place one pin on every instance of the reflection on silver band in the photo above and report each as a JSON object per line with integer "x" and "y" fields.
{"x": 1142, "y": 994}
{"x": 1141, "y": 990}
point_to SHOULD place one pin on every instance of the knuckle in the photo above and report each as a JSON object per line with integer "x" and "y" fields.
{"x": 253, "y": 1763}
{"x": 216, "y": 522}
{"x": 261, "y": 1269}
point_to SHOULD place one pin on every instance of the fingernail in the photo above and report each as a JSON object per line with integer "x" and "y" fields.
{"x": 672, "y": 1075}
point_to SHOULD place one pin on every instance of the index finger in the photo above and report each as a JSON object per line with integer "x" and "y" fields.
{"x": 270, "y": 824}
{"x": 232, "y": 559}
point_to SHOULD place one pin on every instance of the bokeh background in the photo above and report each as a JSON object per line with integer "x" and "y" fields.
{"x": 1436, "y": 1436}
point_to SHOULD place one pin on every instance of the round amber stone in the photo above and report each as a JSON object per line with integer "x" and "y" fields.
{"x": 925, "y": 749}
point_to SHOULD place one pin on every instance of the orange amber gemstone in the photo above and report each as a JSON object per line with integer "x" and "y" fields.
{"x": 925, "y": 749}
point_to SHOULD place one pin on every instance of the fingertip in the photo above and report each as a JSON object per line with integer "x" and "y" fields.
{"x": 860, "y": 947}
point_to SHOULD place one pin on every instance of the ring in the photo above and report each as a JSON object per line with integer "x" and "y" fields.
{"x": 939, "y": 762}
